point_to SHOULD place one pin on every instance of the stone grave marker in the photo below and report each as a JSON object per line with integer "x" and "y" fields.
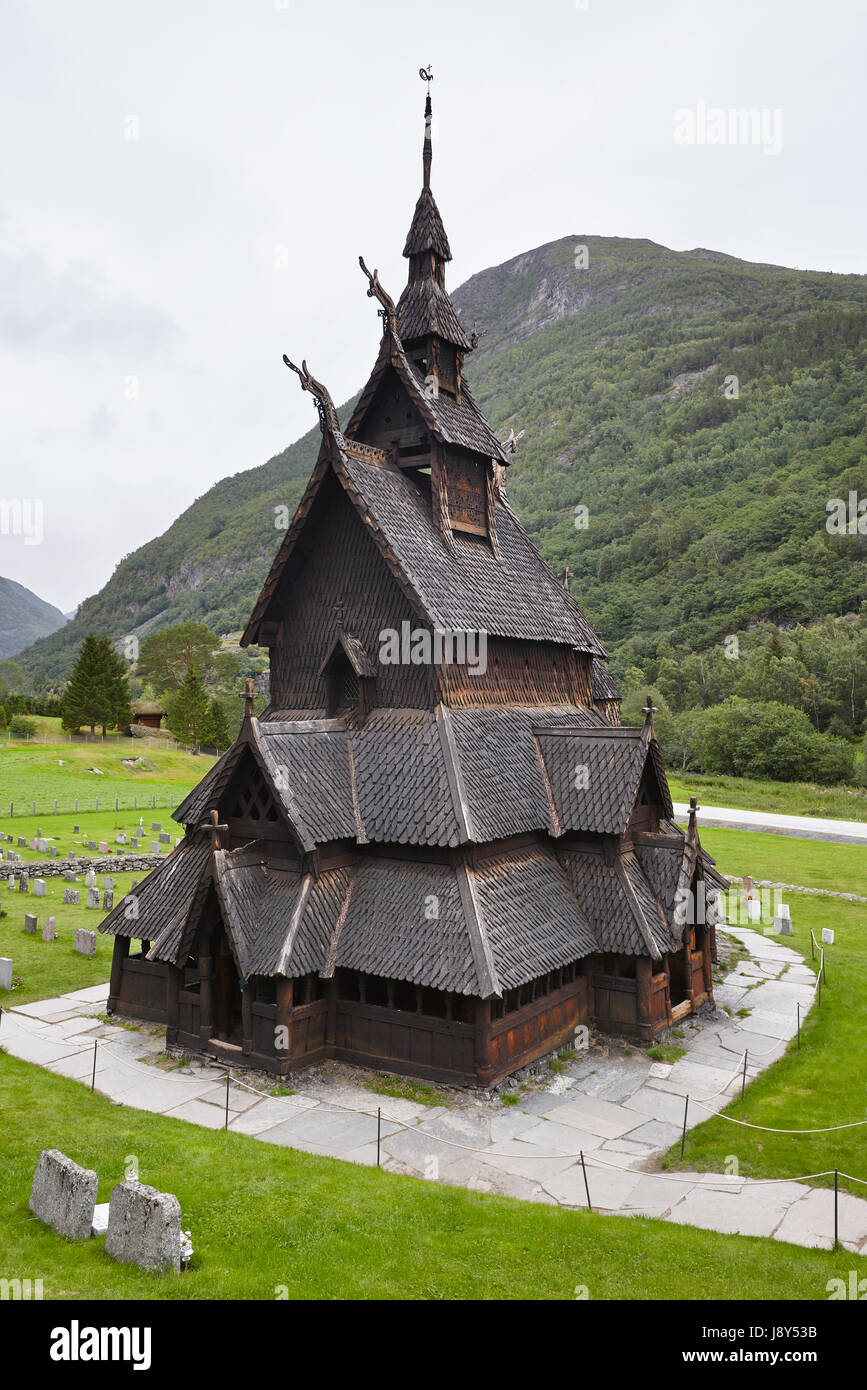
{"x": 52, "y": 851}
{"x": 22, "y": 843}
{"x": 63, "y": 1195}
{"x": 144, "y": 1228}
{"x": 84, "y": 942}
{"x": 42, "y": 846}
{"x": 93, "y": 897}
{"x": 120, "y": 839}
{"x": 23, "y": 883}
{"x": 155, "y": 847}
{"x": 69, "y": 875}
{"x": 91, "y": 844}
{"x": 90, "y": 878}
{"x": 30, "y": 923}
{"x": 75, "y": 830}
{"x": 155, "y": 825}
{"x": 107, "y": 882}
{"x": 39, "y": 887}
{"x": 70, "y": 897}
{"x": 107, "y": 899}
{"x": 827, "y": 936}
{"x": 5, "y": 972}
{"x": 103, "y": 847}
{"x": 165, "y": 838}
{"x": 134, "y": 843}
{"x": 49, "y": 929}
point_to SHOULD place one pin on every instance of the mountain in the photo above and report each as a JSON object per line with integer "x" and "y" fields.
{"x": 702, "y": 409}
{"x": 23, "y": 618}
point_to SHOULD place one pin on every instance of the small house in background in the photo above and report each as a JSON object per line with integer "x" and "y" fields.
{"x": 149, "y": 713}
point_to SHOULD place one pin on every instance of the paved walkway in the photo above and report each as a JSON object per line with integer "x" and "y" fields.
{"x": 844, "y": 832}
{"x": 614, "y": 1104}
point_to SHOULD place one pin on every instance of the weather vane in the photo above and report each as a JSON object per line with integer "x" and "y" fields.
{"x": 425, "y": 74}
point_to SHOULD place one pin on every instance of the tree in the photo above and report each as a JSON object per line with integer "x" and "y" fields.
{"x": 188, "y": 710}
{"x": 215, "y": 733}
{"x": 98, "y": 692}
{"x": 167, "y": 657}
{"x": 2, "y": 717}
{"x": 86, "y": 699}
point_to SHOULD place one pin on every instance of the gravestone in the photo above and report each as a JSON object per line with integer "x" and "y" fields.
{"x": 34, "y": 843}
{"x": 134, "y": 843}
{"x": 144, "y": 1228}
{"x": 10, "y": 855}
{"x": 75, "y": 830}
{"x": 69, "y": 875}
{"x": 90, "y": 878}
{"x": 84, "y": 942}
{"x": 70, "y": 897}
{"x": 63, "y": 1195}
{"x": 52, "y": 851}
{"x": 39, "y": 887}
{"x": 49, "y": 929}
{"x": 155, "y": 825}
{"x": 30, "y": 923}
{"x": 93, "y": 897}
{"x": 827, "y": 936}
{"x": 165, "y": 838}
{"x": 5, "y": 972}
{"x": 120, "y": 839}
{"x": 91, "y": 844}
{"x": 22, "y": 844}
{"x": 42, "y": 846}
{"x": 155, "y": 847}
{"x": 107, "y": 900}
{"x": 23, "y": 883}
{"x": 107, "y": 882}
{"x": 103, "y": 847}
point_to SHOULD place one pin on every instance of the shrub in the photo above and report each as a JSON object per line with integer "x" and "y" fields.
{"x": 22, "y": 727}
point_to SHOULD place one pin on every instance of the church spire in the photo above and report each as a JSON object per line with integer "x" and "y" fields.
{"x": 425, "y": 310}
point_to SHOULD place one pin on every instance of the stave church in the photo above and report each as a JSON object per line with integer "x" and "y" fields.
{"x": 436, "y": 851}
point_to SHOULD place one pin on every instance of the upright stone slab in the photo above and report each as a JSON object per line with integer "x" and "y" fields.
{"x": 107, "y": 882}
{"x": 23, "y": 883}
{"x": 70, "y": 897}
{"x": 69, "y": 875}
{"x": 63, "y": 1195}
{"x": 39, "y": 887}
{"x": 93, "y": 897}
{"x": 42, "y": 846}
{"x": 49, "y": 929}
{"x": 165, "y": 838}
{"x": 134, "y": 843}
{"x": 30, "y": 923}
{"x": 22, "y": 843}
{"x": 120, "y": 839}
{"x": 52, "y": 851}
{"x": 155, "y": 825}
{"x": 144, "y": 1228}
{"x": 91, "y": 844}
{"x": 107, "y": 899}
{"x": 155, "y": 846}
{"x": 5, "y": 972}
{"x": 75, "y": 830}
{"x": 103, "y": 846}
{"x": 90, "y": 878}
{"x": 84, "y": 942}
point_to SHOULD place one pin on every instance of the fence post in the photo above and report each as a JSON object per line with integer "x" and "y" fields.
{"x": 683, "y": 1136}
{"x": 744, "y": 1077}
{"x": 798, "y": 1006}
{"x": 34, "y": 808}
{"x": 115, "y": 803}
{"x": 97, "y": 804}
{"x": 836, "y": 1175}
{"x": 154, "y": 802}
{"x": 586, "y": 1185}
{"x": 76, "y": 805}
{"x": 378, "y": 1132}
{"x": 55, "y": 808}
{"x": 135, "y": 803}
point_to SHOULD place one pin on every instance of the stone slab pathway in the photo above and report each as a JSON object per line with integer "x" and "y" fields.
{"x": 616, "y": 1106}
{"x": 844, "y": 832}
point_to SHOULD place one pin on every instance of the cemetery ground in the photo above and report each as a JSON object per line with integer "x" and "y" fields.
{"x": 323, "y": 1228}
{"x": 49, "y": 968}
{"x": 265, "y": 1220}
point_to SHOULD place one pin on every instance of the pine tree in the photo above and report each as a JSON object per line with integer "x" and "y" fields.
{"x": 215, "y": 733}
{"x": 188, "y": 710}
{"x": 86, "y": 699}
{"x": 116, "y": 679}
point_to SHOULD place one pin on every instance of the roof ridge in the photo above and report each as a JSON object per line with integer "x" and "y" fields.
{"x": 486, "y": 971}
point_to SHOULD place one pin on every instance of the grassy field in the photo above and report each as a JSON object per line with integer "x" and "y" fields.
{"x": 102, "y": 827}
{"x": 60, "y": 772}
{"x": 823, "y": 1084}
{"x": 789, "y": 798}
{"x": 784, "y": 859}
{"x": 48, "y": 968}
{"x": 264, "y": 1219}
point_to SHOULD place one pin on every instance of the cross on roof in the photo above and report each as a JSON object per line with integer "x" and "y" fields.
{"x": 214, "y": 828}
{"x": 649, "y": 710}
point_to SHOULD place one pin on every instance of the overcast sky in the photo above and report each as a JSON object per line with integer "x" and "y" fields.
{"x": 187, "y": 185}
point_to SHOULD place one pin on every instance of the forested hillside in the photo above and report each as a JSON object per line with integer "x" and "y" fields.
{"x": 24, "y": 616}
{"x": 703, "y": 410}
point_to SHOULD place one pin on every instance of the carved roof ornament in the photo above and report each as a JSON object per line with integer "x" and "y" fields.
{"x": 649, "y": 710}
{"x": 328, "y": 421}
{"x": 388, "y": 311}
{"x": 477, "y": 333}
{"x": 511, "y": 444}
{"x": 248, "y": 696}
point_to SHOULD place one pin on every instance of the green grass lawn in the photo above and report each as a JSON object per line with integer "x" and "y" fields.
{"x": 264, "y": 1218}
{"x": 48, "y": 968}
{"x": 825, "y": 1083}
{"x": 789, "y": 798}
{"x": 60, "y": 772}
{"x": 784, "y": 859}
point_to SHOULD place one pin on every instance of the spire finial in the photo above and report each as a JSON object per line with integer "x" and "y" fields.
{"x": 650, "y": 709}
{"x": 427, "y": 152}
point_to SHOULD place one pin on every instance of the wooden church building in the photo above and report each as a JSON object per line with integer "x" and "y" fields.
{"x": 436, "y": 851}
